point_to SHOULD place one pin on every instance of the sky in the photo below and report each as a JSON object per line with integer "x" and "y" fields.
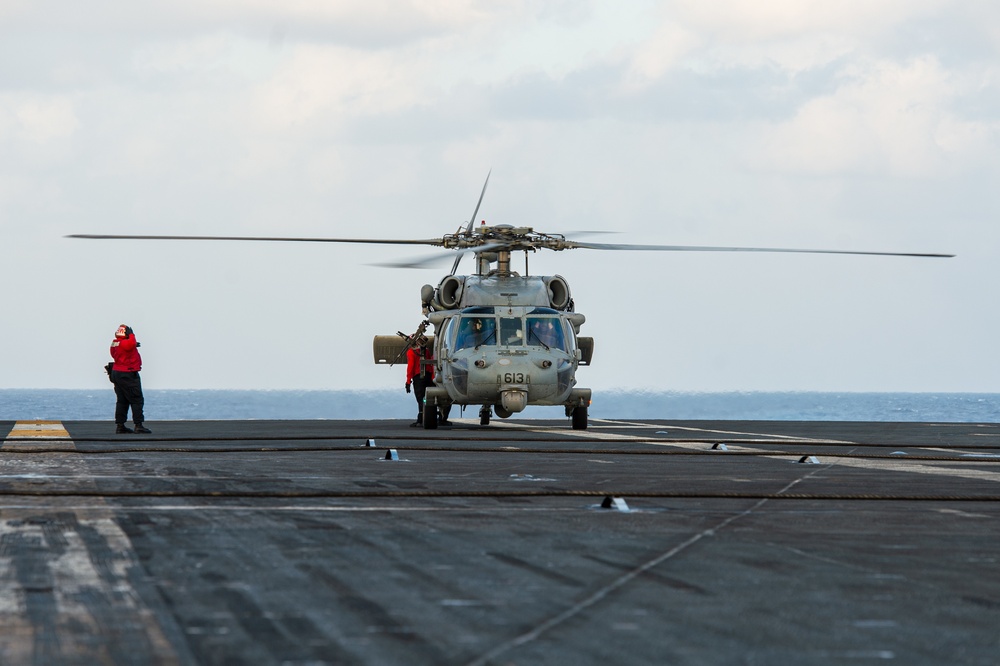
{"x": 856, "y": 125}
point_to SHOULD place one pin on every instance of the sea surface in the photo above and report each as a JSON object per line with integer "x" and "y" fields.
{"x": 99, "y": 405}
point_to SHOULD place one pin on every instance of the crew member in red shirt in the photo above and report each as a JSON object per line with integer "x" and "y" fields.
{"x": 420, "y": 372}
{"x": 125, "y": 377}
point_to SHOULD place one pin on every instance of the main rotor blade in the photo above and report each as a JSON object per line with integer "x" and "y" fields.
{"x": 385, "y": 241}
{"x": 472, "y": 220}
{"x": 425, "y": 261}
{"x": 428, "y": 260}
{"x": 705, "y": 248}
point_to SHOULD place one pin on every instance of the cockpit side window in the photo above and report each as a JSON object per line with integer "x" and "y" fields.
{"x": 446, "y": 338}
{"x": 547, "y": 332}
{"x": 475, "y": 332}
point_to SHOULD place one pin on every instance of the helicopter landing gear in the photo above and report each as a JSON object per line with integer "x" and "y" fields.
{"x": 430, "y": 416}
{"x": 579, "y": 417}
{"x": 484, "y": 415}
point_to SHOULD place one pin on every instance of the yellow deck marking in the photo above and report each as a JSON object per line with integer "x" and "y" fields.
{"x": 46, "y": 429}
{"x": 33, "y": 435}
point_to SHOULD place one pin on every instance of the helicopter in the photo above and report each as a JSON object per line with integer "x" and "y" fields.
{"x": 501, "y": 340}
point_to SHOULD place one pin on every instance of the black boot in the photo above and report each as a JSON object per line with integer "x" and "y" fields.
{"x": 123, "y": 429}
{"x": 140, "y": 429}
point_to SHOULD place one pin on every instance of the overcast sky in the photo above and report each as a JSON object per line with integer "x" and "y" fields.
{"x": 855, "y": 125}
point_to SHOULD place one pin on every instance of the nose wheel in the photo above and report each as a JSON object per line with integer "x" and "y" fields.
{"x": 484, "y": 415}
{"x": 580, "y": 417}
{"x": 430, "y": 416}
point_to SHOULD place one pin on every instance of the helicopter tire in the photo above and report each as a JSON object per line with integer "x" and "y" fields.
{"x": 579, "y": 417}
{"x": 430, "y": 416}
{"x": 484, "y": 416}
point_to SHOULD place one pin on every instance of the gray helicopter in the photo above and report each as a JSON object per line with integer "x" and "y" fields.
{"x": 500, "y": 340}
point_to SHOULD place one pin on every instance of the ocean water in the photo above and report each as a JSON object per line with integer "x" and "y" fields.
{"x": 98, "y": 405}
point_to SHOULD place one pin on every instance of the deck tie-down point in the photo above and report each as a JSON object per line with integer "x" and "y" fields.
{"x": 614, "y": 503}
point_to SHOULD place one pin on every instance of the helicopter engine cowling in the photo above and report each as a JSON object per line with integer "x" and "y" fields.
{"x": 449, "y": 292}
{"x": 559, "y": 294}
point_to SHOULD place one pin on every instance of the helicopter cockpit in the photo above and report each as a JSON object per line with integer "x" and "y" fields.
{"x": 481, "y": 327}
{"x": 502, "y": 356}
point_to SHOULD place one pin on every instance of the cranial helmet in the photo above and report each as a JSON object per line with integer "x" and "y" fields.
{"x": 120, "y": 333}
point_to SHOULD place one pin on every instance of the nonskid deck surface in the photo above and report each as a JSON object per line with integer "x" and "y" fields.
{"x": 520, "y": 543}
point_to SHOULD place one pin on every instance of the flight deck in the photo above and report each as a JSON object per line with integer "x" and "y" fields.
{"x": 525, "y": 542}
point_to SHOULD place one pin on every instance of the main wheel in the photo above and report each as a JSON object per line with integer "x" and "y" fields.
{"x": 579, "y": 417}
{"x": 484, "y": 415}
{"x": 430, "y": 416}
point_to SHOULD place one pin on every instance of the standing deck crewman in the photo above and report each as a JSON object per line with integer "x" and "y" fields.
{"x": 125, "y": 377}
{"x": 420, "y": 372}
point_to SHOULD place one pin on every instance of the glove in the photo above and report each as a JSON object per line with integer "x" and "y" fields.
{"x": 407, "y": 387}
{"x": 128, "y": 331}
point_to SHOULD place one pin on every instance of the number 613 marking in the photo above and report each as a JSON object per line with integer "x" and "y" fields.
{"x": 516, "y": 378}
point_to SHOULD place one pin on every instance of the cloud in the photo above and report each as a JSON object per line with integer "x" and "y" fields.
{"x": 324, "y": 85}
{"x": 754, "y": 21}
{"x": 897, "y": 119}
{"x": 796, "y": 36}
{"x": 36, "y": 119}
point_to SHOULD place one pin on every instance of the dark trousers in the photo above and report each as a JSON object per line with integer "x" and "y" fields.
{"x": 128, "y": 389}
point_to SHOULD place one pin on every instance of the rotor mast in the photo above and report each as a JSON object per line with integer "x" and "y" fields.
{"x": 503, "y": 262}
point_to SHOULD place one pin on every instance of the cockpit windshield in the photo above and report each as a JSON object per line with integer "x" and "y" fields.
{"x": 476, "y": 331}
{"x": 547, "y": 332}
{"x": 511, "y": 332}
